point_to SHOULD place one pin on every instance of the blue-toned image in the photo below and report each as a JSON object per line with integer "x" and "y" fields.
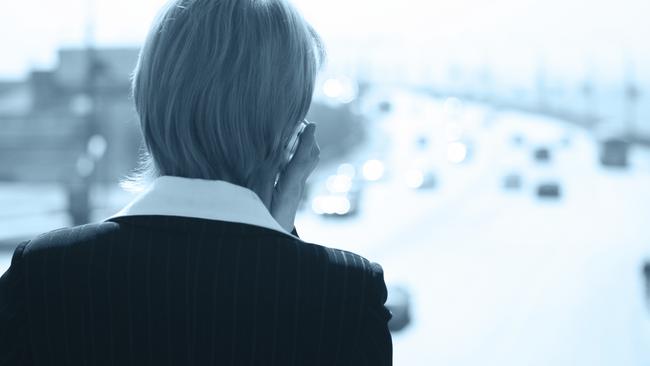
{"x": 267, "y": 182}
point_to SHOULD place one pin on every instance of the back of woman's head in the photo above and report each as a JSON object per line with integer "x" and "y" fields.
{"x": 221, "y": 84}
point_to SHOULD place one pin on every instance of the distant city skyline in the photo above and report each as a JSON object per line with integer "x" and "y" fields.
{"x": 572, "y": 37}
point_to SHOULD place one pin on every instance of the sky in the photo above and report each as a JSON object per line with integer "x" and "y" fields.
{"x": 568, "y": 37}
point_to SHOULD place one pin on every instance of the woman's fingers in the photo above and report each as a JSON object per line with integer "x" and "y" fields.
{"x": 307, "y": 153}
{"x": 292, "y": 177}
{"x": 303, "y": 162}
{"x": 306, "y": 142}
{"x": 290, "y": 187}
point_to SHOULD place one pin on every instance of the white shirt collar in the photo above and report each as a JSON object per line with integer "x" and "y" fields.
{"x": 201, "y": 198}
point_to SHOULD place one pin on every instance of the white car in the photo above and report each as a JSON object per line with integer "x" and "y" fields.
{"x": 339, "y": 196}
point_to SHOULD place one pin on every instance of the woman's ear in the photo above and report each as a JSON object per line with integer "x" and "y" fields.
{"x": 262, "y": 178}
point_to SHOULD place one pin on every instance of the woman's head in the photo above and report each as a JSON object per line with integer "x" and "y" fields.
{"x": 221, "y": 84}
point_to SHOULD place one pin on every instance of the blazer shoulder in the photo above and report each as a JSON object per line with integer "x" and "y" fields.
{"x": 336, "y": 259}
{"x": 69, "y": 236}
{"x": 350, "y": 260}
{"x": 355, "y": 264}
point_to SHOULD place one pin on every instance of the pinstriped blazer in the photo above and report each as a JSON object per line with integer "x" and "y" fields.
{"x": 168, "y": 290}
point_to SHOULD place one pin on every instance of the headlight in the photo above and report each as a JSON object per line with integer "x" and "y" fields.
{"x": 456, "y": 152}
{"x": 373, "y": 170}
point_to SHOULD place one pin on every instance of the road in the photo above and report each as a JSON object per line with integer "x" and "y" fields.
{"x": 500, "y": 277}
{"x": 503, "y": 278}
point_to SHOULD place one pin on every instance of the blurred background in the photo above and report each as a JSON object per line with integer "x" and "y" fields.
{"x": 494, "y": 157}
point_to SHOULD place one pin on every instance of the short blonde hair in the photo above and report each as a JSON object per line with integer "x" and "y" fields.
{"x": 221, "y": 84}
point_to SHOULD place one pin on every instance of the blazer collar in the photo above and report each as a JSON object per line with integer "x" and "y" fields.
{"x": 201, "y": 198}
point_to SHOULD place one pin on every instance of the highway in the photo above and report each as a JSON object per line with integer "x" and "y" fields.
{"x": 498, "y": 276}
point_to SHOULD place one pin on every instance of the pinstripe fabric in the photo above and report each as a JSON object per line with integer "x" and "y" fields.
{"x": 165, "y": 290}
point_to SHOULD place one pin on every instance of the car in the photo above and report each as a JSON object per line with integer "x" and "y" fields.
{"x": 335, "y": 204}
{"x": 542, "y": 155}
{"x": 385, "y": 106}
{"x": 399, "y": 305}
{"x": 646, "y": 277}
{"x": 420, "y": 179}
{"x": 460, "y": 151}
{"x": 614, "y": 153}
{"x": 518, "y": 139}
{"x": 549, "y": 190}
{"x": 422, "y": 142}
{"x": 373, "y": 170}
{"x": 338, "y": 197}
{"x": 512, "y": 181}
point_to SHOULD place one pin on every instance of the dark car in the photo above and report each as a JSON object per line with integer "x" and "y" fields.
{"x": 385, "y": 106}
{"x": 542, "y": 155}
{"x": 646, "y": 278}
{"x": 399, "y": 304}
{"x": 614, "y": 153}
{"x": 512, "y": 181}
{"x": 549, "y": 190}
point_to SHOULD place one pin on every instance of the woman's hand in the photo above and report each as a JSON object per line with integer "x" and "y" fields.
{"x": 291, "y": 184}
{"x": 282, "y": 200}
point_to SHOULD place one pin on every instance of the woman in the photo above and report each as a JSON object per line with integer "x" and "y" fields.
{"x": 205, "y": 266}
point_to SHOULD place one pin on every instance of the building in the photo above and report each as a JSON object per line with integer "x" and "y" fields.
{"x": 48, "y": 119}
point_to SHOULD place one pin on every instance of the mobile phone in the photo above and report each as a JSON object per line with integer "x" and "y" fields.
{"x": 292, "y": 145}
